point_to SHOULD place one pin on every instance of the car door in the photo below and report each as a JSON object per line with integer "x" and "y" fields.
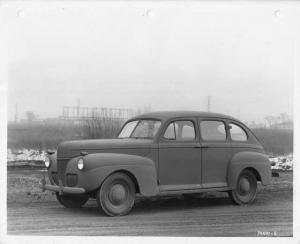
{"x": 216, "y": 152}
{"x": 180, "y": 155}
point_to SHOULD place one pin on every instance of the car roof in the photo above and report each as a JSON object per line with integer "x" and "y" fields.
{"x": 165, "y": 115}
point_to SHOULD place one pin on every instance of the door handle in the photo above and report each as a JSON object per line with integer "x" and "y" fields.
{"x": 204, "y": 146}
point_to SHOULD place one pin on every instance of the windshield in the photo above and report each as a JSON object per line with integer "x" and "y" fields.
{"x": 145, "y": 128}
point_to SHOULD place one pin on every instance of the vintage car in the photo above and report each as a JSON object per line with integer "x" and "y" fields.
{"x": 160, "y": 153}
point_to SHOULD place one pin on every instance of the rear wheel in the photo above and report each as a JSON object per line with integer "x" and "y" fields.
{"x": 246, "y": 188}
{"x": 72, "y": 201}
{"x": 116, "y": 195}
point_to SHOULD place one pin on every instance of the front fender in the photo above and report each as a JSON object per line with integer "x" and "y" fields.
{"x": 258, "y": 162}
{"x": 100, "y": 165}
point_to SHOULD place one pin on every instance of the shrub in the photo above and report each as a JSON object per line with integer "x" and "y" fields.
{"x": 48, "y": 134}
{"x": 275, "y": 141}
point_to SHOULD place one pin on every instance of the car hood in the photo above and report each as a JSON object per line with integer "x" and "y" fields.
{"x": 69, "y": 149}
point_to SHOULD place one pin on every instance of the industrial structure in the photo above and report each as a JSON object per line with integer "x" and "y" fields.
{"x": 83, "y": 113}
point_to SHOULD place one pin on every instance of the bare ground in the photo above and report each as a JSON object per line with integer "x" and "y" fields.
{"x": 33, "y": 212}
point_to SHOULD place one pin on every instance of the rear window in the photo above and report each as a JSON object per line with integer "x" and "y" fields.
{"x": 237, "y": 133}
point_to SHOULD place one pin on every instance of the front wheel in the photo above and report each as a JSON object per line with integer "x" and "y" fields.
{"x": 72, "y": 201}
{"x": 245, "y": 190}
{"x": 116, "y": 195}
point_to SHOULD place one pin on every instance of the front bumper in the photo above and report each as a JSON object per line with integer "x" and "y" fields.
{"x": 61, "y": 189}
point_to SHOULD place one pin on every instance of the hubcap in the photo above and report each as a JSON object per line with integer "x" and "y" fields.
{"x": 244, "y": 186}
{"x": 117, "y": 194}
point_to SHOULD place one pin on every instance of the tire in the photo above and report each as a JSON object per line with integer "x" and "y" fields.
{"x": 116, "y": 195}
{"x": 72, "y": 201}
{"x": 246, "y": 188}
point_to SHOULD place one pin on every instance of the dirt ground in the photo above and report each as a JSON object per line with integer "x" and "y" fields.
{"x": 33, "y": 212}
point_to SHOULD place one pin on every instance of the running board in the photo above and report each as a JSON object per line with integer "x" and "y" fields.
{"x": 195, "y": 190}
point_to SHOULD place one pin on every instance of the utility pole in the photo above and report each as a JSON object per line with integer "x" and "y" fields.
{"x": 16, "y": 113}
{"x": 208, "y": 104}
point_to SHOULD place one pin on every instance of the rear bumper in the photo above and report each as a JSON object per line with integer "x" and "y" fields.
{"x": 61, "y": 189}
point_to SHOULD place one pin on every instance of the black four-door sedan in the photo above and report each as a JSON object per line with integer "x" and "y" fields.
{"x": 156, "y": 154}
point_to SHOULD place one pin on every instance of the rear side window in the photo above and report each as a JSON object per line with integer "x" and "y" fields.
{"x": 180, "y": 131}
{"x": 212, "y": 130}
{"x": 237, "y": 133}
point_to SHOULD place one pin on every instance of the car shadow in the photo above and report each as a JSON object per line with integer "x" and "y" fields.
{"x": 161, "y": 204}
{"x": 170, "y": 204}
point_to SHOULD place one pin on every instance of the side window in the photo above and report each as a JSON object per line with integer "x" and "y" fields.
{"x": 185, "y": 130}
{"x": 237, "y": 133}
{"x": 213, "y": 130}
{"x": 180, "y": 131}
{"x": 170, "y": 132}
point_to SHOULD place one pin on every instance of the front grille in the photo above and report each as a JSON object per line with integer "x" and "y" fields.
{"x": 71, "y": 180}
{"x": 55, "y": 177}
{"x": 61, "y": 168}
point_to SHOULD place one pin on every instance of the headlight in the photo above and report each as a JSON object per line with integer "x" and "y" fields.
{"x": 80, "y": 164}
{"x": 47, "y": 162}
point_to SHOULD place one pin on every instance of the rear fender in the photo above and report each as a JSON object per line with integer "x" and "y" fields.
{"x": 257, "y": 162}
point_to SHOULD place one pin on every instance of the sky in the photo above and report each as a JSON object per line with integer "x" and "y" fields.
{"x": 167, "y": 55}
